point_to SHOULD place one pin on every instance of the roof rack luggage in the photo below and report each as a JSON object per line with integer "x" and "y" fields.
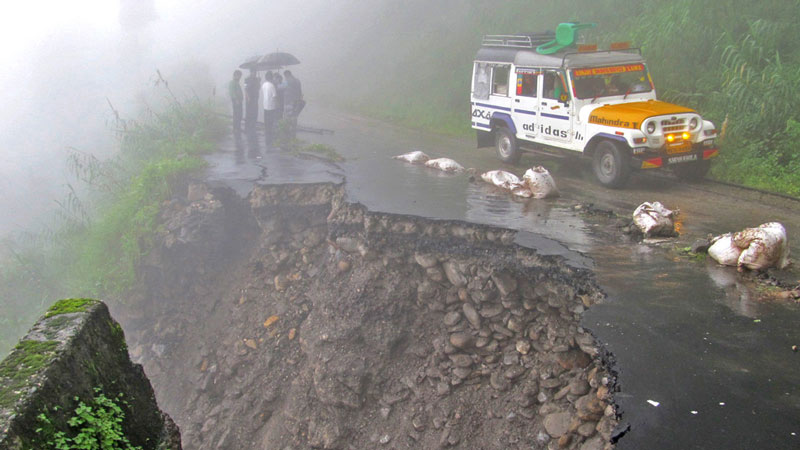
{"x": 527, "y": 40}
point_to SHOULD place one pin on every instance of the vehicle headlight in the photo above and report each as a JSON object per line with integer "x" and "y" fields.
{"x": 651, "y": 127}
{"x": 693, "y": 123}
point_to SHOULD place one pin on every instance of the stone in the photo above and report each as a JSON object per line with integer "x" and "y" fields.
{"x": 442, "y": 389}
{"x": 426, "y": 261}
{"x": 589, "y": 408}
{"x": 573, "y": 359}
{"x": 564, "y": 441}
{"x": 491, "y": 310}
{"x": 523, "y": 346}
{"x": 462, "y": 372}
{"x": 514, "y": 372}
{"x": 516, "y": 325}
{"x": 595, "y": 443}
{"x": 505, "y": 283}
{"x": 578, "y": 387}
{"x": 462, "y": 340}
{"x": 461, "y": 360}
{"x": 499, "y": 382}
{"x": 435, "y": 274}
{"x": 454, "y": 274}
{"x": 472, "y": 315}
{"x": 550, "y": 383}
{"x": 557, "y": 424}
{"x": 587, "y": 429}
{"x": 463, "y": 294}
{"x": 452, "y": 318}
{"x": 343, "y": 265}
{"x": 700, "y": 246}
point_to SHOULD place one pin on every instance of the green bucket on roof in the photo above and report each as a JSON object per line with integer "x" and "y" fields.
{"x": 566, "y": 33}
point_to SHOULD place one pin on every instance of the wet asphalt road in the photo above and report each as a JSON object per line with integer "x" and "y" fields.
{"x": 688, "y": 335}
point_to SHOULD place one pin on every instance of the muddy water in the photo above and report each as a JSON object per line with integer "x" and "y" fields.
{"x": 686, "y": 335}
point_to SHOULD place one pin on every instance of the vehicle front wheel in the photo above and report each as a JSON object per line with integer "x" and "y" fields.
{"x": 694, "y": 171}
{"x": 506, "y": 145}
{"x": 611, "y": 164}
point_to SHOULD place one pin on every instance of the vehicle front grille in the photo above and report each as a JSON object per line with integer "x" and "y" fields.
{"x": 672, "y": 126}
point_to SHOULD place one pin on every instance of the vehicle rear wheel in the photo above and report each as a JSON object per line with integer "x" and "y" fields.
{"x": 506, "y": 145}
{"x": 694, "y": 171}
{"x": 611, "y": 164}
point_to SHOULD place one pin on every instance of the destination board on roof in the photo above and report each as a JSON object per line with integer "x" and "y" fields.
{"x": 525, "y": 71}
{"x": 608, "y": 70}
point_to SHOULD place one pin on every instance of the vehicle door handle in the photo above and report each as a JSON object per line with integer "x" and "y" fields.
{"x": 516, "y": 100}
{"x": 544, "y": 104}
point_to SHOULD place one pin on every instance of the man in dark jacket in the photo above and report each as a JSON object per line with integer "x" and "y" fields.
{"x": 252, "y": 87}
{"x": 292, "y": 101}
{"x": 237, "y": 98}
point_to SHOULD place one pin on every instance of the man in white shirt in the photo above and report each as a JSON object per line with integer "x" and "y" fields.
{"x": 270, "y": 101}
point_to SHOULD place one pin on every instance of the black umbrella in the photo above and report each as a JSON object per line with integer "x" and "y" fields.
{"x": 270, "y": 61}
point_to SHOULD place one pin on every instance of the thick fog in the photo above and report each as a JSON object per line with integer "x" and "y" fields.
{"x": 63, "y": 62}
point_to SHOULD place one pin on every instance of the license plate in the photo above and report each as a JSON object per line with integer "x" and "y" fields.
{"x": 682, "y": 159}
{"x": 678, "y": 147}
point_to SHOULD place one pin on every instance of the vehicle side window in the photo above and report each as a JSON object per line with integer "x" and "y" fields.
{"x": 555, "y": 86}
{"x": 526, "y": 83}
{"x": 500, "y": 76}
{"x": 480, "y": 88}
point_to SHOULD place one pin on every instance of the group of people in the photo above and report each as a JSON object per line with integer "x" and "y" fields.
{"x": 281, "y": 98}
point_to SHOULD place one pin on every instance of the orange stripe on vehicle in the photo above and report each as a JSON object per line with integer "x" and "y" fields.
{"x": 708, "y": 154}
{"x": 654, "y": 163}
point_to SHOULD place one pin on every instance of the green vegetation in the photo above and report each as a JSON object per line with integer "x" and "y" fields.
{"x": 93, "y": 426}
{"x": 26, "y": 360}
{"x": 70, "y": 305}
{"x": 109, "y": 217}
{"x": 735, "y": 61}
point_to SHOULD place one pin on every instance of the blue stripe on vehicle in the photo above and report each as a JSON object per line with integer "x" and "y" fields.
{"x": 480, "y": 125}
{"x": 501, "y": 108}
{"x": 554, "y": 116}
{"x": 533, "y": 113}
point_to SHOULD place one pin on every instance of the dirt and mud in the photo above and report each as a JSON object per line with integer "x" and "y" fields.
{"x": 295, "y": 319}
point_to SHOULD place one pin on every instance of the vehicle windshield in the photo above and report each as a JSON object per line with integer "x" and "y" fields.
{"x": 607, "y": 81}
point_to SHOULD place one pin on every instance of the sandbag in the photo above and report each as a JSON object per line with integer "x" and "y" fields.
{"x": 754, "y": 248}
{"x": 654, "y": 219}
{"x": 763, "y": 247}
{"x": 445, "y": 165}
{"x": 501, "y": 179}
{"x": 724, "y": 251}
{"x": 540, "y": 183}
{"x": 415, "y": 157}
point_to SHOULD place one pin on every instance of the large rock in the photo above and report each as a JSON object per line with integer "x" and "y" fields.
{"x": 557, "y": 424}
{"x": 74, "y": 349}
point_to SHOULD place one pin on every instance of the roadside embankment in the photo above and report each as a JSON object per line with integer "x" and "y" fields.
{"x": 70, "y": 379}
{"x": 321, "y": 324}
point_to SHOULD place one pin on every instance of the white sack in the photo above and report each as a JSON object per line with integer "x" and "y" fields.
{"x": 415, "y": 157}
{"x": 540, "y": 182}
{"x": 724, "y": 251}
{"x": 445, "y": 164}
{"x": 755, "y": 248}
{"x": 522, "y": 191}
{"x": 501, "y": 179}
{"x": 763, "y": 247}
{"x": 653, "y": 219}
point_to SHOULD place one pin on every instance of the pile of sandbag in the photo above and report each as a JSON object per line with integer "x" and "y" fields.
{"x": 654, "y": 219}
{"x": 754, "y": 248}
{"x": 536, "y": 182}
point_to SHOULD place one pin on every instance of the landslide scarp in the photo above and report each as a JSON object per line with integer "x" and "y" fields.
{"x": 330, "y": 326}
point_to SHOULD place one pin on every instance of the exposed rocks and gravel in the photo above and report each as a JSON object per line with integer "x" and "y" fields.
{"x": 295, "y": 319}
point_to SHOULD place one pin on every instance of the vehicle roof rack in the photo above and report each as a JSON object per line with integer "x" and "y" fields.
{"x": 623, "y": 50}
{"x": 528, "y": 40}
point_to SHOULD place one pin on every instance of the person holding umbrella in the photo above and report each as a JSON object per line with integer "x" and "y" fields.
{"x": 269, "y": 95}
{"x": 252, "y": 87}
{"x": 292, "y": 100}
{"x": 237, "y": 98}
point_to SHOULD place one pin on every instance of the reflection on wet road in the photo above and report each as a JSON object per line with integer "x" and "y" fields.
{"x": 686, "y": 334}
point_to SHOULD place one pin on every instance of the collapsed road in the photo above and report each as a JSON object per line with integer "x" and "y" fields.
{"x": 351, "y": 306}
